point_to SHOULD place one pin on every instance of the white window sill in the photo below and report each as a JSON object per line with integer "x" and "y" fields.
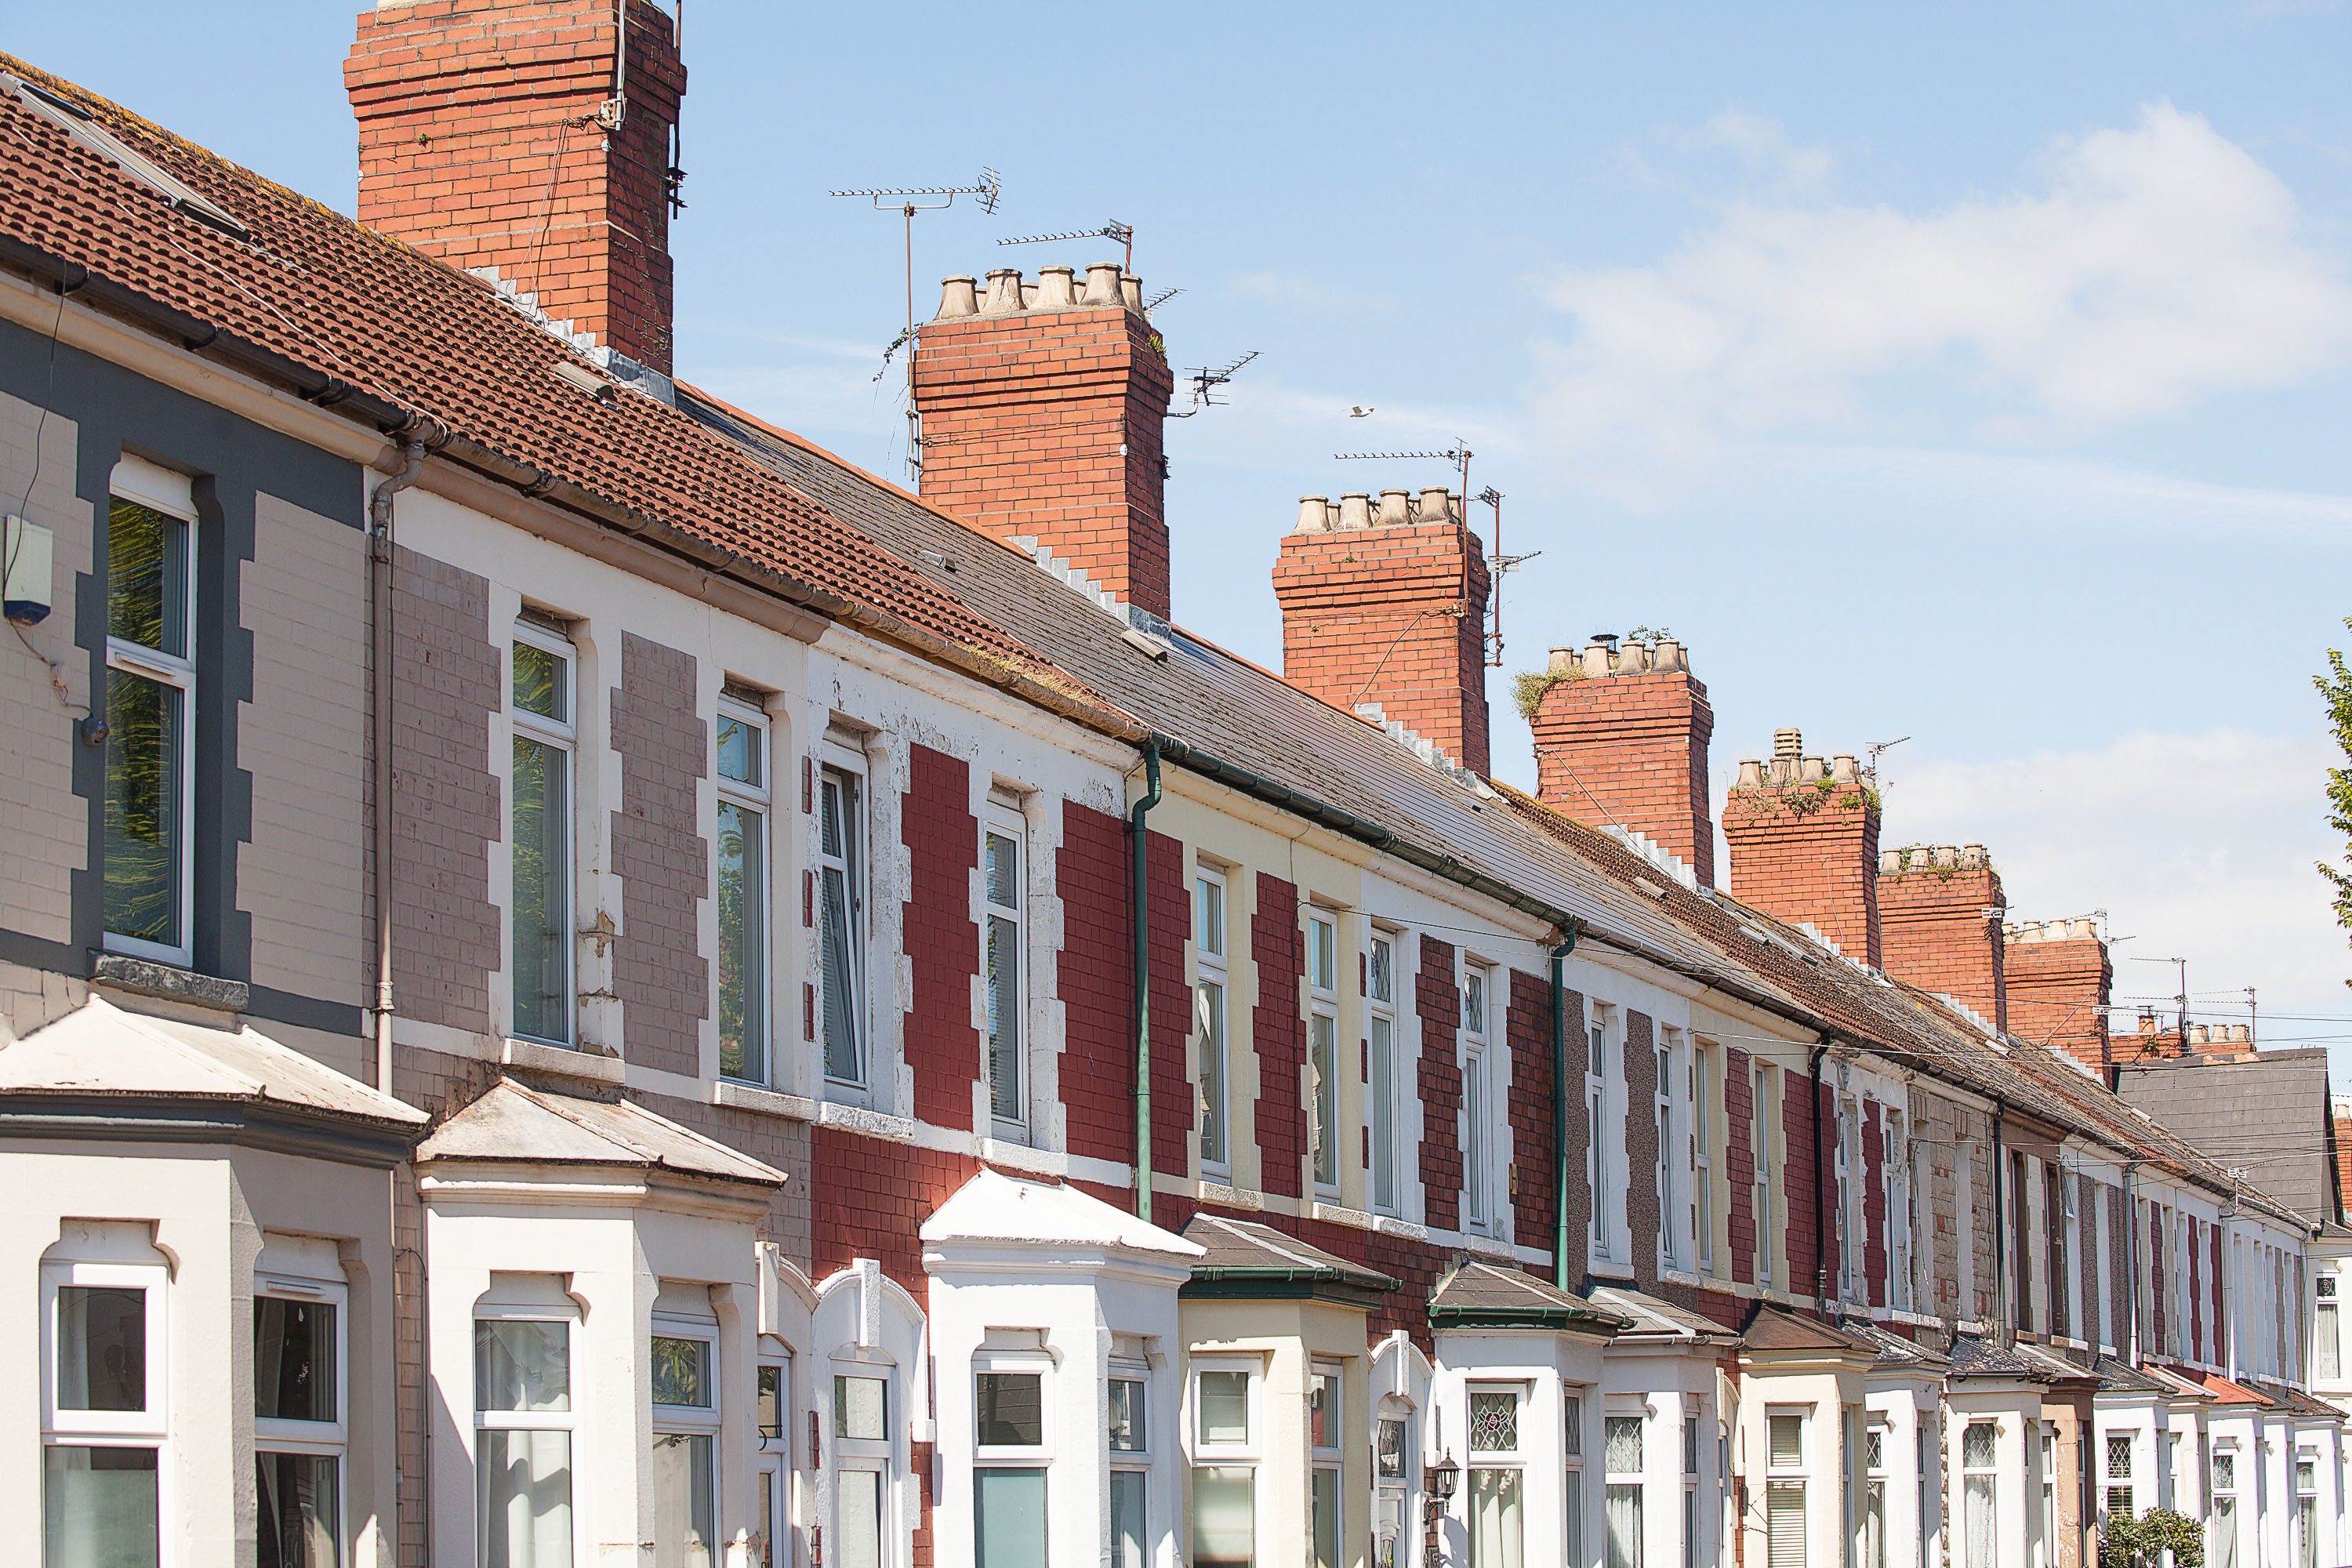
{"x": 1606, "y": 1269}
{"x": 1390, "y": 1224}
{"x": 562, "y": 1061}
{"x": 1340, "y": 1214}
{"x": 1233, "y": 1197}
{"x": 762, "y": 1102}
{"x": 872, "y": 1123}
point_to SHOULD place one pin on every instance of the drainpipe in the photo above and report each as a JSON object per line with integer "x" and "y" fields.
{"x": 1559, "y": 1100}
{"x": 2007, "y": 1330}
{"x": 1821, "y": 1234}
{"x": 1139, "y": 922}
{"x": 380, "y": 701}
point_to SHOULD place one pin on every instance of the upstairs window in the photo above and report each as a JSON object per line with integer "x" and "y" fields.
{"x": 1381, "y": 1066}
{"x": 2326, "y": 1343}
{"x": 1209, "y": 1018}
{"x": 1004, "y": 882}
{"x": 151, "y": 695}
{"x": 841, "y": 920}
{"x": 1596, "y": 1159}
{"x": 1478, "y": 1109}
{"x": 540, "y": 820}
{"x": 1323, "y": 1049}
{"x": 1702, "y": 1159}
{"x": 1662, "y": 1178}
{"x": 742, "y": 885}
{"x": 1759, "y": 1141}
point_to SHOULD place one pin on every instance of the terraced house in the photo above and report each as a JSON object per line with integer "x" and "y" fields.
{"x": 586, "y": 983}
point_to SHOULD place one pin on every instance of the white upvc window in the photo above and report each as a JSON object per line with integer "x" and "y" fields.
{"x": 1497, "y": 1477}
{"x": 1873, "y": 1498}
{"x": 1702, "y": 1154}
{"x": 1572, "y": 1448}
{"x": 104, "y": 1413}
{"x": 1323, "y": 1049}
{"x": 1761, "y": 1121}
{"x": 1004, "y": 879}
{"x": 1787, "y": 1464}
{"x": 542, "y": 666}
{"x": 2045, "y": 1481}
{"x": 149, "y": 851}
{"x": 2120, "y": 1503}
{"x": 1477, "y": 1097}
{"x": 1980, "y": 1494}
{"x": 1326, "y": 1441}
{"x": 1209, "y": 1021}
{"x": 1013, "y": 1448}
{"x": 865, "y": 1464}
{"x": 300, "y": 1393}
{"x": 2326, "y": 1340}
{"x": 1849, "y": 1273}
{"x": 742, "y": 878}
{"x": 524, "y": 1417}
{"x": 684, "y": 1381}
{"x": 1670, "y": 1156}
{"x": 1596, "y": 1101}
{"x": 1381, "y": 1066}
{"x": 1225, "y": 1444}
{"x": 1623, "y": 1499}
{"x": 1128, "y": 1438}
{"x": 842, "y": 894}
{"x": 772, "y": 1405}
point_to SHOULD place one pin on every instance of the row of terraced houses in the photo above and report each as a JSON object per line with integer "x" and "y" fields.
{"x": 586, "y": 984}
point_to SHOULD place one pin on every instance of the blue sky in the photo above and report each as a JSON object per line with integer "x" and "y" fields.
{"x": 1977, "y": 375}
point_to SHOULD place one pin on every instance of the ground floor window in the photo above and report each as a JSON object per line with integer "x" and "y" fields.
{"x": 299, "y": 1510}
{"x": 1224, "y": 1515}
{"x": 98, "y": 1507}
{"x": 1979, "y": 1494}
{"x": 1784, "y": 1524}
{"x": 1009, "y": 1516}
{"x": 686, "y": 1529}
{"x": 1496, "y": 1532}
{"x": 858, "y": 1513}
{"x": 1128, "y": 1490}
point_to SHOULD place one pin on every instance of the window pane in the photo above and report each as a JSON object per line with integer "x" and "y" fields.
{"x": 1127, "y": 1488}
{"x": 1690, "y": 1445}
{"x": 1575, "y": 1448}
{"x": 522, "y": 1366}
{"x": 1323, "y": 1410}
{"x": 524, "y": 1481}
{"x": 1623, "y": 1506}
{"x": 742, "y": 941}
{"x": 298, "y": 1511}
{"x": 1980, "y": 1523}
{"x": 1209, "y": 930}
{"x": 1383, "y": 1051}
{"x": 1873, "y": 1526}
{"x": 860, "y": 1408}
{"x": 143, "y": 786}
{"x": 542, "y": 900}
{"x": 293, "y": 1359}
{"x": 101, "y": 1348}
{"x": 2323, "y": 1340}
{"x": 1474, "y": 1148}
{"x": 838, "y": 935}
{"x": 539, "y": 682}
{"x": 1010, "y": 1406}
{"x": 1392, "y": 1450}
{"x": 1324, "y": 1525}
{"x": 1622, "y": 1445}
{"x": 1383, "y": 966}
{"x": 147, "y": 578}
{"x": 1494, "y": 1423}
{"x": 681, "y": 1369}
{"x": 1223, "y": 1401}
{"x": 858, "y": 1503}
{"x": 98, "y": 1508}
{"x": 1224, "y": 1516}
{"x": 1009, "y": 1518}
{"x": 772, "y": 1402}
{"x": 1323, "y": 955}
{"x": 1784, "y": 1524}
{"x": 738, "y": 751}
{"x": 1495, "y": 1519}
{"x": 2221, "y": 1535}
{"x": 1005, "y": 1019}
{"x": 2119, "y": 1458}
{"x": 1208, "y": 1026}
{"x": 684, "y": 1531}
{"x": 1323, "y": 1066}
{"x": 1474, "y": 1003}
{"x": 1127, "y": 1428}
{"x": 1976, "y": 1448}
{"x": 1003, "y": 865}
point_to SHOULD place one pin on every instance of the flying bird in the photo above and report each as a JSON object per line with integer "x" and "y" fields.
{"x": 1358, "y": 411}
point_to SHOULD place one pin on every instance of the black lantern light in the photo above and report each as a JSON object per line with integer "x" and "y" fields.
{"x": 1442, "y": 1478}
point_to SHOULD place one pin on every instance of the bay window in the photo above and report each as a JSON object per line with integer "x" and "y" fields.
{"x": 1573, "y": 1446}
{"x": 1130, "y": 1436}
{"x": 1621, "y": 1456}
{"x": 1980, "y": 1494}
{"x": 742, "y": 888}
{"x": 683, "y": 1354}
{"x": 1224, "y": 1463}
{"x": 1009, "y": 1477}
{"x": 1784, "y": 1488}
{"x": 539, "y": 836}
{"x": 523, "y": 1438}
{"x": 1496, "y": 1530}
{"x": 1325, "y": 1444}
{"x": 298, "y": 1419}
{"x": 150, "y": 694}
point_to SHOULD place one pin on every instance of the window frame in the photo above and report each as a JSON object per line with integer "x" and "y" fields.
{"x": 175, "y": 672}
{"x": 1596, "y": 1099}
{"x": 1479, "y": 1212}
{"x": 277, "y": 1436}
{"x": 1701, "y": 1081}
{"x": 147, "y": 1427}
{"x": 1760, "y": 1122}
{"x": 566, "y": 1420}
{"x": 986, "y": 1363}
{"x": 837, "y": 765}
{"x": 1212, "y": 1026}
{"x": 1381, "y": 1042}
{"x": 1251, "y": 1449}
{"x": 563, "y": 737}
{"x": 1322, "y": 953}
{"x": 1661, "y": 1103}
{"x": 694, "y": 1420}
{"x": 754, "y": 798}
{"x": 1007, "y": 823}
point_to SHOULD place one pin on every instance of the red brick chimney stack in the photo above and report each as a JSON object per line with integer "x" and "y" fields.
{"x": 1622, "y": 739}
{"x": 2059, "y": 981}
{"x": 1803, "y": 837}
{"x": 1043, "y": 412}
{"x": 1939, "y": 917}
{"x": 502, "y": 135}
{"x": 1384, "y": 608}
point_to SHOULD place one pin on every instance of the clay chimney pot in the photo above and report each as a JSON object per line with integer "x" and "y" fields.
{"x": 1436, "y": 507}
{"x": 1314, "y": 515}
{"x": 1102, "y": 287}
{"x": 1563, "y": 662}
{"x": 1003, "y": 293}
{"x": 1054, "y": 290}
{"x": 1130, "y": 292}
{"x": 1396, "y": 509}
{"x": 1356, "y": 510}
{"x": 1751, "y": 774}
{"x": 958, "y": 297}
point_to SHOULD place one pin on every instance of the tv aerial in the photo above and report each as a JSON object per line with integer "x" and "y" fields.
{"x": 1503, "y": 566}
{"x": 1117, "y": 233}
{"x": 1460, "y": 456}
{"x": 905, "y": 199}
{"x": 1206, "y": 382}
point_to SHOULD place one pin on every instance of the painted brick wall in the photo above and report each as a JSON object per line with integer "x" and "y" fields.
{"x": 662, "y": 861}
{"x": 474, "y": 148}
{"x": 448, "y": 678}
{"x": 1277, "y": 948}
{"x": 2220, "y": 1312}
{"x": 1631, "y": 748}
{"x": 1048, "y": 425}
{"x": 1579, "y": 1142}
{"x": 1641, "y": 1146}
{"x": 942, "y": 838}
{"x": 1096, "y": 986}
{"x": 2086, "y": 1264}
{"x": 1528, "y": 1029}
{"x": 868, "y": 1196}
{"x": 48, "y": 841}
{"x": 1808, "y": 856}
{"x": 1373, "y": 615}
{"x": 1874, "y": 1201}
{"x": 1804, "y": 1248}
{"x": 1174, "y": 1096}
{"x": 1439, "y": 1002}
{"x": 2196, "y": 1293}
{"x": 1740, "y": 1134}
{"x": 2120, "y": 1307}
{"x": 1933, "y": 932}
{"x": 2058, "y": 992}
{"x": 303, "y": 739}
{"x": 1934, "y": 1123}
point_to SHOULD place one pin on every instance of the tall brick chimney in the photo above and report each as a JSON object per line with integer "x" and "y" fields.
{"x": 498, "y": 134}
{"x": 2059, "y": 981}
{"x": 1940, "y": 920}
{"x": 1043, "y": 410}
{"x": 1385, "y": 607}
{"x": 1804, "y": 844}
{"x": 1624, "y": 739}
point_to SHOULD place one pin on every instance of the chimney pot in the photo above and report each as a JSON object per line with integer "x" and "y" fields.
{"x": 1789, "y": 743}
{"x": 1130, "y": 292}
{"x": 1396, "y": 509}
{"x": 1436, "y": 505}
{"x": 1670, "y": 656}
{"x": 1028, "y": 295}
{"x": 1810, "y": 770}
{"x": 1314, "y": 515}
{"x": 1890, "y": 862}
{"x": 1633, "y": 659}
{"x": 958, "y": 296}
{"x": 1751, "y": 774}
{"x": 2241, "y": 1033}
{"x": 1844, "y": 771}
{"x": 1003, "y": 293}
{"x": 2199, "y": 1036}
{"x": 1563, "y": 662}
{"x": 1356, "y": 510}
{"x": 1054, "y": 290}
{"x": 1102, "y": 287}
{"x": 1973, "y": 856}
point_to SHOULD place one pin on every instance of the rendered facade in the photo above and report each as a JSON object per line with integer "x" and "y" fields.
{"x": 585, "y": 983}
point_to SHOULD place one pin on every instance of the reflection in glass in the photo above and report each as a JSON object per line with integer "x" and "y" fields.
{"x": 98, "y": 1508}
{"x": 524, "y": 1481}
{"x": 293, "y": 1359}
{"x": 1126, "y": 1414}
{"x": 838, "y": 918}
{"x": 143, "y": 828}
{"x": 1005, "y": 1019}
{"x": 101, "y": 1348}
{"x": 685, "y": 1527}
{"x": 681, "y": 1369}
{"x": 742, "y": 973}
{"x": 1011, "y": 1409}
{"x": 1323, "y": 1506}
{"x": 1323, "y": 1066}
{"x": 299, "y": 1510}
{"x": 541, "y": 889}
{"x": 523, "y": 1365}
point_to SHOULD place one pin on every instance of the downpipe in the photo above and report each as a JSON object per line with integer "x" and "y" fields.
{"x": 380, "y": 511}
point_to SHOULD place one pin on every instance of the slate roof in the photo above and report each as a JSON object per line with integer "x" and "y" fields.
{"x": 2121, "y": 1377}
{"x": 2268, "y": 1111}
{"x": 1242, "y": 1250}
{"x": 1894, "y": 1349}
{"x": 1653, "y": 1318}
{"x": 515, "y": 1124}
{"x": 1478, "y": 1294}
{"x": 1973, "y": 1356}
{"x": 1774, "y": 1330}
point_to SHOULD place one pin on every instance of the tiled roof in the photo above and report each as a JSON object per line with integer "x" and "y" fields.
{"x": 516, "y": 1124}
{"x": 1774, "y": 1330}
{"x": 406, "y": 334}
{"x": 1242, "y": 1250}
{"x": 2122, "y": 1377}
{"x": 1974, "y": 1357}
{"x": 1893, "y": 1349}
{"x": 1478, "y": 1294}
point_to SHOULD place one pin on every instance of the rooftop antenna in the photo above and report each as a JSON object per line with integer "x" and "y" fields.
{"x": 1160, "y": 298}
{"x": 1503, "y": 565}
{"x": 1461, "y": 455}
{"x": 1117, "y": 233}
{"x": 1870, "y": 765}
{"x": 2252, "y": 1017}
{"x": 1206, "y": 382}
{"x": 2180, "y": 1001}
{"x": 990, "y": 187}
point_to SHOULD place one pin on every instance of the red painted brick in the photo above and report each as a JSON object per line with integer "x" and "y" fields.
{"x": 944, "y": 1051}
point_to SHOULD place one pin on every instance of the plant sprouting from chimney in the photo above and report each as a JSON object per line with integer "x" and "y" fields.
{"x": 1649, "y": 635}
{"x": 2335, "y": 686}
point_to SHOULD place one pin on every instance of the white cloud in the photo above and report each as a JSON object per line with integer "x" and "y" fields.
{"x": 2198, "y": 846}
{"x": 2163, "y": 263}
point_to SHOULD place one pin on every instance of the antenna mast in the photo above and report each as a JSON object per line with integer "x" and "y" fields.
{"x": 1117, "y": 233}
{"x": 1206, "y": 382}
{"x": 986, "y": 192}
{"x": 1503, "y": 564}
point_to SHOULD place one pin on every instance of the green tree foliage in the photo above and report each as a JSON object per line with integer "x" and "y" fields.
{"x": 2335, "y": 686}
{"x": 2142, "y": 1539}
